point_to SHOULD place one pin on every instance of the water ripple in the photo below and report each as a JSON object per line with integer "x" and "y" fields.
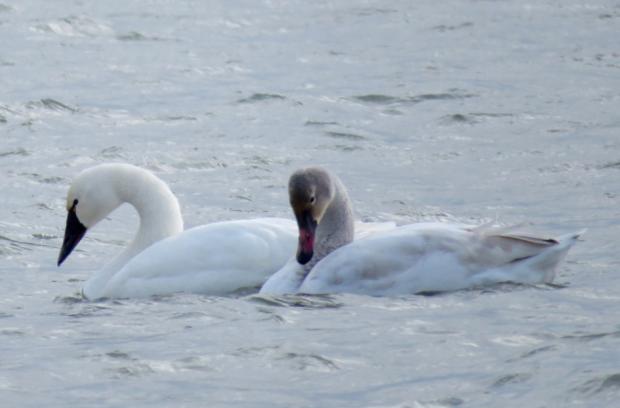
{"x": 255, "y": 351}
{"x": 112, "y": 152}
{"x": 74, "y": 26}
{"x": 371, "y": 11}
{"x": 119, "y": 355}
{"x": 22, "y": 245}
{"x": 346, "y": 136}
{"x": 271, "y": 316}
{"x": 380, "y": 99}
{"x": 303, "y": 301}
{"x": 610, "y": 382}
{"x": 309, "y": 361}
{"x": 20, "y": 151}
{"x": 340, "y": 147}
{"x": 137, "y": 36}
{"x": 458, "y": 119}
{"x": 90, "y": 310}
{"x": 592, "y": 336}
{"x": 511, "y": 379}
{"x": 533, "y": 352}
{"x": 135, "y": 370}
{"x": 190, "y": 315}
{"x": 44, "y": 179}
{"x": 51, "y": 104}
{"x": 320, "y": 123}
{"x": 610, "y": 165}
{"x": 70, "y": 300}
{"x": 11, "y": 331}
{"x": 443, "y": 28}
{"x": 194, "y": 363}
{"x": 261, "y": 97}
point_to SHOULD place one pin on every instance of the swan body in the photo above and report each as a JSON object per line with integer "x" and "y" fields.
{"x": 213, "y": 259}
{"x": 217, "y": 258}
{"x": 409, "y": 259}
{"x": 434, "y": 257}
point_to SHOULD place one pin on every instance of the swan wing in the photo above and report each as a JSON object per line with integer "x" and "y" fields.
{"x": 435, "y": 257}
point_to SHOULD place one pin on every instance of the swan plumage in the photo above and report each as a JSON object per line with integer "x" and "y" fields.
{"x": 408, "y": 259}
{"x": 217, "y": 258}
{"x": 435, "y": 257}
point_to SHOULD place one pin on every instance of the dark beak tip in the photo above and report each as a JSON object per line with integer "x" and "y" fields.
{"x": 304, "y": 257}
{"x": 63, "y": 256}
{"x": 74, "y": 232}
{"x": 68, "y": 247}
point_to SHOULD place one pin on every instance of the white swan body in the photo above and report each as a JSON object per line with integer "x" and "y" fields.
{"x": 213, "y": 259}
{"x": 217, "y": 258}
{"x": 414, "y": 258}
{"x": 432, "y": 257}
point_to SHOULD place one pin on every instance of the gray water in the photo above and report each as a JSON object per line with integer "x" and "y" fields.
{"x": 471, "y": 111}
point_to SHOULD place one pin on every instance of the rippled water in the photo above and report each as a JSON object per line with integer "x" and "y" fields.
{"x": 454, "y": 110}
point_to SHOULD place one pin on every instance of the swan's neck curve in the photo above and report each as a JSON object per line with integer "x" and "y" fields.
{"x": 158, "y": 210}
{"x": 336, "y": 227}
{"x": 159, "y": 217}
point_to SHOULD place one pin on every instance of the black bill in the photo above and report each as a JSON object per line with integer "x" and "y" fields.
{"x": 74, "y": 232}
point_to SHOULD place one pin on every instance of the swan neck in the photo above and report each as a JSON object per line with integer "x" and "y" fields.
{"x": 159, "y": 217}
{"x": 336, "y": 227}
{"x": 158, "y": 211}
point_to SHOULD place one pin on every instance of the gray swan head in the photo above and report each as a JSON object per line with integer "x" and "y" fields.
{"x": 323, "y": 212}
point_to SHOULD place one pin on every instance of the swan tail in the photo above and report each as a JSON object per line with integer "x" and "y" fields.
{"x": 545, "y": 262}
{"x": 514, "y": 257}
{"x": 568, "y": 240}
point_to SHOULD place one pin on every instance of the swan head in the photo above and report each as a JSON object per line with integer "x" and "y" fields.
{"x": 311, "y": 191}
{"x": 91, "y": 197}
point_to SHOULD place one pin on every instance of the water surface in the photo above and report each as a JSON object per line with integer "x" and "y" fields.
{"x": 457, "y": 111}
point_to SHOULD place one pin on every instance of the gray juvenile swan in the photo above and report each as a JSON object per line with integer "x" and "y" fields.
{"x": 408, "y": 259}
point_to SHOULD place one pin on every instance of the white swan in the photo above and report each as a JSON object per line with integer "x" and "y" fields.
{"x": 217, "y": 258}
{"x": 409, "y": 259}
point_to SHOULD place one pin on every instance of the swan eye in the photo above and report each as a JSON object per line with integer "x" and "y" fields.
{"x": 312, "y": 200}
{"x": 75, "y": 203}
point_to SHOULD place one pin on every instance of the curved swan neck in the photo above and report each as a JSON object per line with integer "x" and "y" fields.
{"x": 336, "y": 227}
{"x": 157, "y": 207}
{"x": 111, "y": 185}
